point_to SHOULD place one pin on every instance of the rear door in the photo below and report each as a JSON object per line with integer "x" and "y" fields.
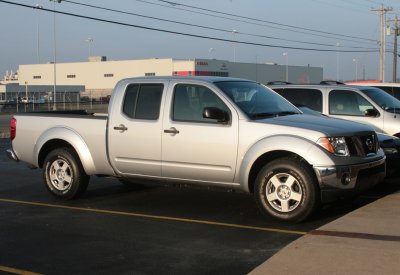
{"x": 135, "y": 129}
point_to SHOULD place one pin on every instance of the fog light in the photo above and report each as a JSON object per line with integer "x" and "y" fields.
{"x": 346, "y": 179}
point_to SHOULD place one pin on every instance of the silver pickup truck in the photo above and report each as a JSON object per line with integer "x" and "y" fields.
{"x": 209, "y": 131}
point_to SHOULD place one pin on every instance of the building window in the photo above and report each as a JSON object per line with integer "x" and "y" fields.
{"x": 201, "y": 73}
{"x": 71, "y": 76}
{"x": 37, "y": 77}
{"x": 149, "y": 74}
{"x": 222, "y": 74}
{"x": 108, "y": 75}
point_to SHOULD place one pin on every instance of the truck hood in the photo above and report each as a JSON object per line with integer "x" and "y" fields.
{"x": 328, "y": 126}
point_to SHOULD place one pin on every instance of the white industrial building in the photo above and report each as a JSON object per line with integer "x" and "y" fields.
{"x": 97, "y": 77}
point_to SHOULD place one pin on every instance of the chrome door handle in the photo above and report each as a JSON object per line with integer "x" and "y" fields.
{"x": 121, "y": 128}
{"x": 172, "y": 131}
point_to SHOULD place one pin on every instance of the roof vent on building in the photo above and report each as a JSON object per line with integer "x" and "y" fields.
{"x": 97, "y": 58}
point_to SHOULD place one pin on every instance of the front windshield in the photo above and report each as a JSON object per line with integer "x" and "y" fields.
{"x": 383, "y": 99}
{"x": 256, "y": 100}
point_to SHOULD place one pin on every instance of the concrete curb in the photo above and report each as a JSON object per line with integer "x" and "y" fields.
{"x": 365, "y": 241}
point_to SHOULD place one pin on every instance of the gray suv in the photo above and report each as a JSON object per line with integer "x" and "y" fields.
{"x": 368, "y": 105}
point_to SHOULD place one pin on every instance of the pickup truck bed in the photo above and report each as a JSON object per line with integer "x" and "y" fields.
{"x": 80, "y": 128}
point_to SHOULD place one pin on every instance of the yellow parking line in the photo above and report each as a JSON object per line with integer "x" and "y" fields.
{"x": 155, "y": 217}
{"x": 17, "y": 271}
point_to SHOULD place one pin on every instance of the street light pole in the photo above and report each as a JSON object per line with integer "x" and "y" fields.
{"x": 234, "y": 32}
{"x": 356, "y": 62}
{"x": 211, "y": 51}
{"x": 37, "y": 7}
{"x": 337, "y": 61}
{"x": 55, "y": 53}
{"x": 90, "y": 41}
{"x": 287, "y": 66}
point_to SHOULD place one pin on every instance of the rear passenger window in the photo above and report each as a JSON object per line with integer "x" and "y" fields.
{"x": 311, "y": 98}
{"x": 143, "y": 101}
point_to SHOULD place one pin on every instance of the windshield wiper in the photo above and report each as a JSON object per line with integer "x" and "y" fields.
{"x": 263, "y": 115}
{"x": 266, "y": 115}
{"x": 287, "y": 113}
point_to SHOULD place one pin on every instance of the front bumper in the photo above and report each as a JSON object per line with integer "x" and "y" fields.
{"x": 338, "y": 181}
{"x": 392, "y": 164}
{"x": 11, "y": 155}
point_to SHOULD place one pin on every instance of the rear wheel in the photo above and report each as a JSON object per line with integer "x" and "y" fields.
{"x": 64, "y": 175}
{"x": 286, "y": 189}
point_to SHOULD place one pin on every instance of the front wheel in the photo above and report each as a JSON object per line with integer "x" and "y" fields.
{"x": 64, "y": 175}
{"x": 286, "y": 189}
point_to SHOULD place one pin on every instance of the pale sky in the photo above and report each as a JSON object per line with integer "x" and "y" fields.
{"x": 321, "y": 24}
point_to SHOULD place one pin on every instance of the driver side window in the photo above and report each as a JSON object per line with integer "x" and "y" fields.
{"x": 190, "y": 100}
{"x": 345, "y": 102}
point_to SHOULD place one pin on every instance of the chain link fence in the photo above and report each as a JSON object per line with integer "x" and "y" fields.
{"x": 43, "y": 101}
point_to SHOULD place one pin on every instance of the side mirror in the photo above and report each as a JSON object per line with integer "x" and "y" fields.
{"x": 371, "y": 113}
{"x": 216, "y": 113}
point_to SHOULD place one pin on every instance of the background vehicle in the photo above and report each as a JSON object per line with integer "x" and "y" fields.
{"x": 367, "y": 105}
{"x": 391, "y": 88}
{"x": 224, "y": 132}
{"x": 389, "y": 144}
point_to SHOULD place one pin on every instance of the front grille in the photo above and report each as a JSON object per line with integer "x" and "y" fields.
{"x": 370, "y": 144}
{"x": 362, "y": 145}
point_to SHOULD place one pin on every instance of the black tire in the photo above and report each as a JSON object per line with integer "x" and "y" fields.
{"x": 64, "y": 175}
{"x": 286, "y": 189}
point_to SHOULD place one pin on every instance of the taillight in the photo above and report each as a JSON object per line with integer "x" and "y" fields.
{"x": 13, "y": 128}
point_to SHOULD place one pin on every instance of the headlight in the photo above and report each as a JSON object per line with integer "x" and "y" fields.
{"x": 335, "y": 145}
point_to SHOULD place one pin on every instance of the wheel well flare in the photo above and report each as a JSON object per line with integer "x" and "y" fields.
{"x": 266, "y": 158}
{"x": 50, "y": 146}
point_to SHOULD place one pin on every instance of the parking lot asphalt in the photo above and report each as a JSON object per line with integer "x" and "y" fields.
{"x": 154, "y": 230}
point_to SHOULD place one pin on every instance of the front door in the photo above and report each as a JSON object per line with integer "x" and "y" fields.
{"x": 347, "y": 104}
{"x": 194, "y": 147}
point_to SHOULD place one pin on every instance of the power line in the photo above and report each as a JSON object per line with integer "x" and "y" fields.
{"x": 254, "y": 23}
{"x": 264, "y": 21}
{"x": 208, "y": 28}
{"x": 185, "y": 34}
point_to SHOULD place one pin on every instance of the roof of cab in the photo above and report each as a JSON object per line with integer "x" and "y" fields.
{"x": 209, "y": 79}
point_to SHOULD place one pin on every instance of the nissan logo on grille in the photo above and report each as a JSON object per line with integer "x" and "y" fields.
{"x": 369, "y": 144}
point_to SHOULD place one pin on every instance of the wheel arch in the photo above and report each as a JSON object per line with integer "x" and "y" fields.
{"x": 51, "y": 140}
{"x": 268, "y": 157}
{"x": 271, "y": 148}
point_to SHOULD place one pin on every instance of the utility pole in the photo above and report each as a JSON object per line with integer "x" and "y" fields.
{"x": 55, "y": 54}
{"x": 382, "y": 12}
{"x": 396, "y": 33}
